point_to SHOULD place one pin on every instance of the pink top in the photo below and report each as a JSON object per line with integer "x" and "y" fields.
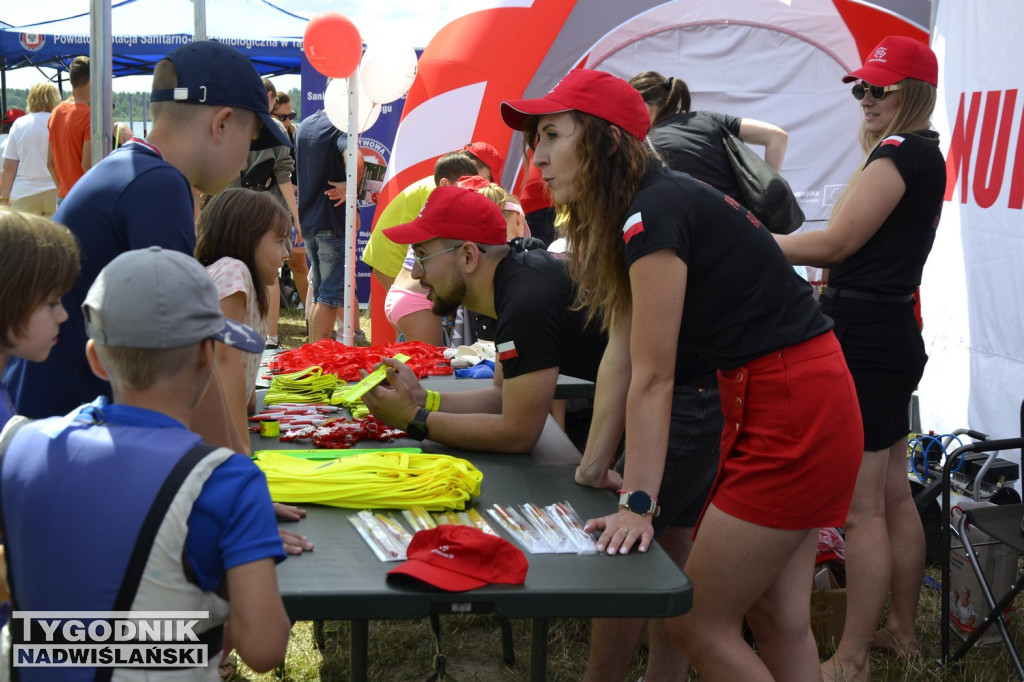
{"x": 231, "y": 275}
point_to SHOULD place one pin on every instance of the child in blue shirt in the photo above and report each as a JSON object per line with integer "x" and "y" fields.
{"x": 39, "y": 262}
{"x": 199, "y": 518}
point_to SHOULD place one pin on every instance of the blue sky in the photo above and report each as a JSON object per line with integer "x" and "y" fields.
{"x": 412, "y": 22}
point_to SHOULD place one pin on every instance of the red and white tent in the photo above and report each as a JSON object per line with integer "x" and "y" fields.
{"x": 777, "y": 60}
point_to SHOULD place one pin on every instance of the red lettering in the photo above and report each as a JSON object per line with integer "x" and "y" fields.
{"x": 1017, "y": 178}
{"x": 991, "y": 159}
{"x": 960, "y": 146}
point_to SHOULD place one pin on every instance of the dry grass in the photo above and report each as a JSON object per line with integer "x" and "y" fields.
{"x": 404, "y": 650}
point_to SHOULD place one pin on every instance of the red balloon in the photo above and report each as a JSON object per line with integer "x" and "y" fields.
{"x": 332, "y": 45}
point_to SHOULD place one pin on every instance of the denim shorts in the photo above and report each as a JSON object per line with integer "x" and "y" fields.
{"x": 691, "y": 461}
{"x": 326, "y": 252}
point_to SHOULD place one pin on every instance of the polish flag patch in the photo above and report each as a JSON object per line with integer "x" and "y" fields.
{"x": 507, "y": 350}
{"x": 634, "y": 226}
{"x": 894, "y": 140}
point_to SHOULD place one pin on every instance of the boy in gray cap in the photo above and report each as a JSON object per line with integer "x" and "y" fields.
{"x": 182, "y": 523}
{"x": 209, "y": 109}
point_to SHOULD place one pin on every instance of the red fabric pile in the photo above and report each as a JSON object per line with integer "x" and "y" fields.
{"x": 346, "y": 361}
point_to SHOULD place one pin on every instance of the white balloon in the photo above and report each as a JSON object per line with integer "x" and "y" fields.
{"x": 336, "y": 103}
{"x": 368, "y": 115}
{"x": 387, "y": 70}
{"x": 336, "y": 106}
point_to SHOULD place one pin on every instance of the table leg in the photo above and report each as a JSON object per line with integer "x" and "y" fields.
{"x": 359, "y": 641}
{"x": 318, "y": 634}
{"x": 538, "y": 649}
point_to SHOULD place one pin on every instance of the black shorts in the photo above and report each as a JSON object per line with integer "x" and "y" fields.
{"x": 884, "y": 350}
{"x": 692, "y": 458}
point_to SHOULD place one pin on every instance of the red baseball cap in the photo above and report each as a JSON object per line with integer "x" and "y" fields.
{"x": 474, "y": 182}
{"x": 12, "y": 115}
{"x": 453, "y": 213}
{"x": 896, "y": 58}
{"x": 460, "y": 558}
{"x": 592, "y": 92}
{"x": 489, "y": 156}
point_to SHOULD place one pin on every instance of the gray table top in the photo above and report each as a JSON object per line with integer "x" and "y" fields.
{"x": 566, "y": 388}
{"x": 343, "y": 579}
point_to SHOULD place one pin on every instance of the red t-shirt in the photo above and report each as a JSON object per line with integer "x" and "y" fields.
{"x": 69, "y": 130}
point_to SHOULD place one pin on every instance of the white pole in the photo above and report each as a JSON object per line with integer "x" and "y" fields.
{"x": 100, "y": 74}
{"x": 351, "y": 208}
{"x": 199, "y": 18}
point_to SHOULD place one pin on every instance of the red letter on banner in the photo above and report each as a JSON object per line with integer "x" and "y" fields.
{"x": 986, "y": 188}
{"x": 1017, "y": 179}
{"x": 960, "y": 146}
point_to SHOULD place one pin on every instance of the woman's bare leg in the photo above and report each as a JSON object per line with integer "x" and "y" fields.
{"x": 781, "y": 622}
{"x": 733, "y": 563}
{"x": 906, "y": 543}
{"x": 868, "y": 570}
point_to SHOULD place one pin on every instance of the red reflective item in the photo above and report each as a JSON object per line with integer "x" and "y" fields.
{"x": 346, "y": 361}
{"x": 340, "y": 434}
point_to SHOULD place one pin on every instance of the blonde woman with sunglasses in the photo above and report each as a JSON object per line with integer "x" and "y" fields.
{"x": 876, "y": 244}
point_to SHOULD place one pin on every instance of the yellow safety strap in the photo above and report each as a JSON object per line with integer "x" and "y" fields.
{"x": 310, "y": 385}
{"x": 373, "y": 479}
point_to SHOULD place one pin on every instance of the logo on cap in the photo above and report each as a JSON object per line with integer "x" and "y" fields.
{"x": 879, "y": 53}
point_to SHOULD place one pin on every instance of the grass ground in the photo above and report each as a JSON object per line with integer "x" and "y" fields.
{"x": 401, "y": 651}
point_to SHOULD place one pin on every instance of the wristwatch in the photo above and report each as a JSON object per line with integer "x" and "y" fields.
{"x": 417, "y": 428}
{"x": 638, "y": 502}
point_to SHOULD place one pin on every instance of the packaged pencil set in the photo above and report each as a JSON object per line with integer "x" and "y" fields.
{"x": 388, "y": 538}
{"x": 552, "y": 529}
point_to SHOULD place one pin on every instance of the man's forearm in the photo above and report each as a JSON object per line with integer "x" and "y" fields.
{"x": 478, "y": 400}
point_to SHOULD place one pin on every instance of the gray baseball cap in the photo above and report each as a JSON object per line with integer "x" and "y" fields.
{"x": 152, "y": 298}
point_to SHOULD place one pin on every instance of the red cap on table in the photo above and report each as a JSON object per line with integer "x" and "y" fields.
{"x": 460, "y": 558}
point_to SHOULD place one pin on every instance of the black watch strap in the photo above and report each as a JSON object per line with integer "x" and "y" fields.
{"x": 417, "y": 428}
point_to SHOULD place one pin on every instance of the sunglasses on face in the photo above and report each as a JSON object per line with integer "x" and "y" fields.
{"x": 290, "y": 117}
{"x": 877, "y": 91}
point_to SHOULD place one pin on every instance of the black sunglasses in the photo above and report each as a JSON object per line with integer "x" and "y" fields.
{"x": 877, "y": 91}
{"x": 289, "y": 117}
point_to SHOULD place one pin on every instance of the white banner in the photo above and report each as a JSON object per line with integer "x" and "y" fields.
{"x": 974, "y": 279}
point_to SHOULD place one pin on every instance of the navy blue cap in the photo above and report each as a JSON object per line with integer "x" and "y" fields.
{"x": 219, "y": 75}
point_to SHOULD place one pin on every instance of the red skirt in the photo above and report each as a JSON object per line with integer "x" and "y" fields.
{"x": 792, "y": 440}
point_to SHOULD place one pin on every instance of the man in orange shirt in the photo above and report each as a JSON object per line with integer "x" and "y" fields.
{"x": 70, "y": 152}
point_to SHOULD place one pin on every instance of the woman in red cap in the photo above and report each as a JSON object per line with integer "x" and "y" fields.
{"x": 876, "y": 243}
{"x": 670, "y": 265}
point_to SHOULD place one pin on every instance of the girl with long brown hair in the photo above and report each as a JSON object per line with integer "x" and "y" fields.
{"x": 242, "y": 238}
{"x": 669, "y": 265}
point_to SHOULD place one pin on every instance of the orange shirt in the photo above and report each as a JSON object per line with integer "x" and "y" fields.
{"x": 69, "y": 130}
